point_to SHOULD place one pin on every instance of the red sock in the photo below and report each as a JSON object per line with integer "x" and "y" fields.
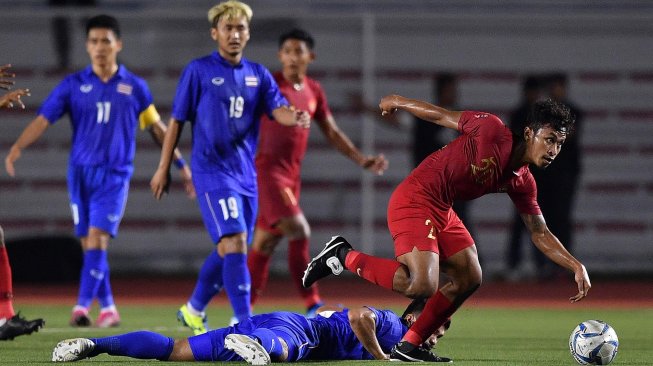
{"x": 297, "y": 262}
{"x": 380, "y": 271}
{"x": 6, "y": 290}
{"x": 259, "y": 269}
{"x": 437, "y": 311}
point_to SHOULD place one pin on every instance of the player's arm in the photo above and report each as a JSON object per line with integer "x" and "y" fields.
{"x": 548, "y": 244}
{"x": 31, "y": 133}
{"x": 161, "y": 179}
{"x": 289, "y": 116}
{"x": 363, "y": 323}
{"x": 420, "y": 109}
{"x": 157, "y": 130}
{"x": 377, "y": 164}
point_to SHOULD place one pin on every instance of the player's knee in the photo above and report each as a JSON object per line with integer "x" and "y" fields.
{"x": 420, "y": 288}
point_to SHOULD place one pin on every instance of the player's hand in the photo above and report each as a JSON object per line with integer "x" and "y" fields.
{"x": 14, "y": 154}
{"x": 583, "y": 280}
{"x": 302, "y": 119}
{"x": 376, "y": 164}
{"x": 187, "y": 179}
{"x": 4, "y": 73}
{"x": 160, "y": 183}
{"x": 13, "y": 98}
{"x": 389, "y": 104}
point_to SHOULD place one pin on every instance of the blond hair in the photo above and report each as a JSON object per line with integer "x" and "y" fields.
{"x": 229, "y": 9}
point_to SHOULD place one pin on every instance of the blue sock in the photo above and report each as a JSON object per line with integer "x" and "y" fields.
{"x": 104, "y": 293}
{"x": 92, "y": 275}
{"x": 209, "y": 281}
{"x": 270, "y": 341}
{"x": 237, "y": 284}
{"x": 142, "y": 344}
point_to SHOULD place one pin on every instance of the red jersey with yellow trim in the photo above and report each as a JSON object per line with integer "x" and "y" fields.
{"x": 280, "y": 147}
{"x": 475, "y": 164}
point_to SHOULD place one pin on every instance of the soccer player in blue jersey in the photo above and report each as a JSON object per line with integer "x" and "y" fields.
{"x": 223, "y": 95}
{"x": 364, "y": 333}
{"x": 106, "y": 103}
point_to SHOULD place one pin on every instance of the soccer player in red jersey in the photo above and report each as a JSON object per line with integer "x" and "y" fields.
{"x": 11, "y": 324}
{"x": 281, "y": 150}
{"x": 428, "y": 236}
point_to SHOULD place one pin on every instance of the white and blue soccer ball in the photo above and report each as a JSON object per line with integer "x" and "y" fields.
{"x": 593, "y": 342}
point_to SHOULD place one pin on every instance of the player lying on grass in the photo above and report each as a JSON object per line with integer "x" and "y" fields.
{"x": 430, "y": 238}
{"x": 335, "y": 334}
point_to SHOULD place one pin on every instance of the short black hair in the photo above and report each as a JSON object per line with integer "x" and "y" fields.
{"x": 552, "y": 113}
{"x": 415, "y": 307}
{"x": 299, "y": 34}
{"x": 103, "y": 21}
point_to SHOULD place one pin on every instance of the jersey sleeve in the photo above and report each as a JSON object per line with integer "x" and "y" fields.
{"x": 322, "y": 111}
{"x": 187, "y": 95}
{"x": 389, "y": 328}
{"x": 148, "y": 113}
{"x": 57, "y": 103}
{"x": 272, "y": 97}
{"x": 524, "y": 195}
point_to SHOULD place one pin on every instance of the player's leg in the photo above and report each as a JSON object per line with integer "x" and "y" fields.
{"x": 259, "y": 258}
{"x": 298, "y": 232}
{"x": 92, "y": 274}
{"x": 11, "y": 324}
{"x": 6, "y": 286}
{"x": 140, "y": 345}
{"x": 226, "y": 219}
{"x": 209, "y": 283}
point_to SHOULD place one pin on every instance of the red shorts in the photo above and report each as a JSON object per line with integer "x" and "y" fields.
{"x": 278, "y": 197}
{"x": 416, "y": 221}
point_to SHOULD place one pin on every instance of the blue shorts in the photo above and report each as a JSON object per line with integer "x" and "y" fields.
{"x": 293, "y": 328}
{"x": 226, "y": 212}
{"x": 97, "y": 198}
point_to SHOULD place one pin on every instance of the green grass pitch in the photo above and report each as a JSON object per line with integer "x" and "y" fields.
{"x": 479, "y": 336}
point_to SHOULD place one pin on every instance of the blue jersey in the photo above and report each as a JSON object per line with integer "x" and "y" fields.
{"x": 328, "y": 336}
{"x": 337, "y": 340}
{"x": 104, "y": 116}
{"x": 224, "y": 102}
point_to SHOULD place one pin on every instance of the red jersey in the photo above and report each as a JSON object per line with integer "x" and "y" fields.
{"x": 280, "y": 147}
{"x": 475, "y": 164}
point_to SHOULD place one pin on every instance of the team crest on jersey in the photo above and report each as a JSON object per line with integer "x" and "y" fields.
{"x": 124, "y": 89}
{"x": 217, "y": 81}
{"x": 483, "y": 172}
{"x": 251, "y": 81}
{"x": 85, "y": 88}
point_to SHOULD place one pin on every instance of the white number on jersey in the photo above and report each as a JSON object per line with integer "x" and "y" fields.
{"x": 229, "y": 207}
{"x": 103, "y": 111}
{"x": 236, "y": 106}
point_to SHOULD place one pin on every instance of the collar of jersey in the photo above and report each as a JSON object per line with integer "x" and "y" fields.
{"x": 226, "y": 63}
{"x": 121, "y": 73}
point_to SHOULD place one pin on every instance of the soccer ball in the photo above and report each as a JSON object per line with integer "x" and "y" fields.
{"x": 593, "y": 342}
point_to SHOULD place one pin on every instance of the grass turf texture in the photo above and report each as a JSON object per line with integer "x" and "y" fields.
{"x": 479, "y": 336}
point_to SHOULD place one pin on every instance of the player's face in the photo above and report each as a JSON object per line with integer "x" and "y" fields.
{"x": 103, "y": 46}
{"x": 295, "y": 56}
{"x": 543, "y": 145}
{"x": 231, "y": 35}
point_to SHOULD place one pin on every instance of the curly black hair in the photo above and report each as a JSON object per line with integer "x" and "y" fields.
{"x": 554, "y": 114}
